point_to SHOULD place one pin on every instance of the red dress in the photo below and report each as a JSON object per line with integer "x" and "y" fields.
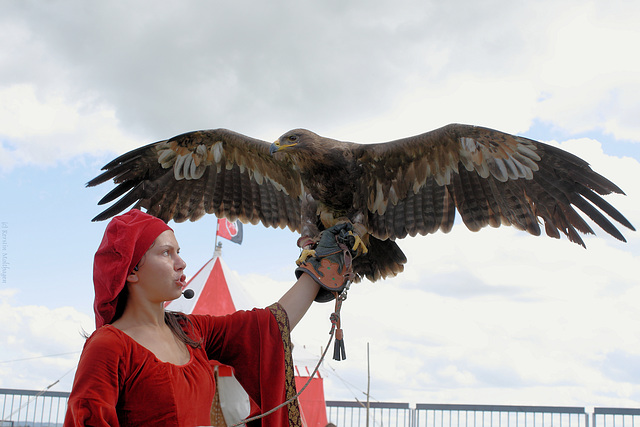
{"x": 120, "y": 382}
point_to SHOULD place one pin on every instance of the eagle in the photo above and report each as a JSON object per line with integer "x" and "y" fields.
{"x": 410, "y": 186}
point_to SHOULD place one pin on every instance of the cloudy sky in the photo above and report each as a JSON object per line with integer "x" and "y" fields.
{"x": 493, "y": 317}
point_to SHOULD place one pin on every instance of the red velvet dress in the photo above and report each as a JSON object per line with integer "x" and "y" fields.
{"x": 120, "y": 382}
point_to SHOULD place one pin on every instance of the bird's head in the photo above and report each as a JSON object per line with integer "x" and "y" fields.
{"x": 294, "y": 138}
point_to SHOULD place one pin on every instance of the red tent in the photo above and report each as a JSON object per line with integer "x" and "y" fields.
{"x": 312, "y": 403}
{"x": 216, "y": 294}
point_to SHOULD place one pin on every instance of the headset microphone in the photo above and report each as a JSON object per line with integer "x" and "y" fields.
{"x": 188, "y": 293}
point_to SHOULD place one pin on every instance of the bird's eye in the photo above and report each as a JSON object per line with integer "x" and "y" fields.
{"x": 293, "y": 138}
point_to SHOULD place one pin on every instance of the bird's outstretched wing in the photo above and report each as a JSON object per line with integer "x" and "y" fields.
{"x": 414, "y": 185}
{"x": 211, "y": 171}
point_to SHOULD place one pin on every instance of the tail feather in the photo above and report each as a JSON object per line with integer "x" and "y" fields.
{"x": 384, "y": 259}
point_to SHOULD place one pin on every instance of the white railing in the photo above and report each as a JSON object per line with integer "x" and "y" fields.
{"x": 346, "y": 413}
{"x": 31, "y": 407}
{"x": 616, "y": 417}
{"x": 47, "y": 408}
{"x": 434, "y": 415}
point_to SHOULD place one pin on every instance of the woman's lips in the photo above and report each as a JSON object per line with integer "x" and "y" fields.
{"x": 182, "y": 281}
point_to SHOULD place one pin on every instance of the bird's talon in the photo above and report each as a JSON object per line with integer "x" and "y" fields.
{"x": 304, "y": 255}
{"x": 358, "y": 245}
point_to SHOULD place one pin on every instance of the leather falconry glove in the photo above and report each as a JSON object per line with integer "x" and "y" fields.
{"x": 330, "y": 263}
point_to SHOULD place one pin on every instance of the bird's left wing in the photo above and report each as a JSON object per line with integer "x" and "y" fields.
{"x": 210, "y": 171}
{"x": 415, "y": 185}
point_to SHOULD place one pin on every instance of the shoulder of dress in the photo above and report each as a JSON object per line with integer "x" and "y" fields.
{"x": 106, "y": 336}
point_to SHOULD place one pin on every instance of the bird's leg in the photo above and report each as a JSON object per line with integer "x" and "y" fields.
{"x": 359, "y": 245}
{"x": 310, "y": 231}
{"x": 360, "y": 231}
{"x": 306, "y": 244}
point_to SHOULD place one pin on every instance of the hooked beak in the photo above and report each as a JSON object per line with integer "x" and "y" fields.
{"x": 275, "y": 147}
{"x": 279, "y": 146}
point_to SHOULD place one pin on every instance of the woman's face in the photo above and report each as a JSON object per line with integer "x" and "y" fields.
{"x": 160, "y": 275}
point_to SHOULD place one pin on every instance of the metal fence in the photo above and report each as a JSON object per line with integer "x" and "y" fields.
{"x": 441, "y": 415}
{"x": 616, "y": 417}
{"x": 32, "y": 408}
{"x": 20, "y": 408}
{"x": 347, "y": 413}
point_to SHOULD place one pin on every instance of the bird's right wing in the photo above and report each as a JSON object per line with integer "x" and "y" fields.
{"x": 210, "y": 171}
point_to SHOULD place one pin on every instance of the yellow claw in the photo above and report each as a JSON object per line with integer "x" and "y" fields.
{"x": 359, "y": 244}
{"x": 304, "y": 255}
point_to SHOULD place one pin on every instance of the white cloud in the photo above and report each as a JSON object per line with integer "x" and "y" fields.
{"x": 45, "y": 130}
{"x": 39, "y": 345}
{"x": 23, "y": 115}
{"x": 588, "y": 76}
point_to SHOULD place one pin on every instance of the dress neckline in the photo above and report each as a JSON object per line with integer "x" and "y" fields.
{"x": 129, "y": 337}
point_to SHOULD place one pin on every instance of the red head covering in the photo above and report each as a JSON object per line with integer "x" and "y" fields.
{"x": 126, "y": 239}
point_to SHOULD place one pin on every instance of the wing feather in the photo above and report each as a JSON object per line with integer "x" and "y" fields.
{"x": 596, "y": 216}
{"x": 416, "y": 221}
{"x": 474, "y": 214}
{"x": 209, "y": 195}
{"x": 117, "y": 192}
{"x": 196, "y": 208}
{"x": 433, "y": 205}
{"x": 493, "y": 206}
{"x": 130, "y": 198}
{"x": 606, "y": 207}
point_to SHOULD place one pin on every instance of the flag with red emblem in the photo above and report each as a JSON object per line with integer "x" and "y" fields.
{"x": 230, "y": 230}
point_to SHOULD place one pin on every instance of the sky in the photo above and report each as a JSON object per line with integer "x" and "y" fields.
{"x": 493, "y": 317}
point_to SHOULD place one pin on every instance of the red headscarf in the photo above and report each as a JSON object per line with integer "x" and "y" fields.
{"x": 126, "y": 239}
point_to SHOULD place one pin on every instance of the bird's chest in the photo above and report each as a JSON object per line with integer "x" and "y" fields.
{"x": 332, "y": 185}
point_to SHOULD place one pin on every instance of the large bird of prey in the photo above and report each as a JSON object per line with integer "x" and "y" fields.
{"x": 387, "y": 190}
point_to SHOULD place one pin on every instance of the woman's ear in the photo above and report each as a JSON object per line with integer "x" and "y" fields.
{"x": 133, "y": 276}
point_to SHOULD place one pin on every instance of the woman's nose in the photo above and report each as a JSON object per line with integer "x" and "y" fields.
{"x": 180, "y": 264}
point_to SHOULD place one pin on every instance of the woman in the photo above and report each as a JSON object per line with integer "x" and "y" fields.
{"x": 146, "y": 366}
